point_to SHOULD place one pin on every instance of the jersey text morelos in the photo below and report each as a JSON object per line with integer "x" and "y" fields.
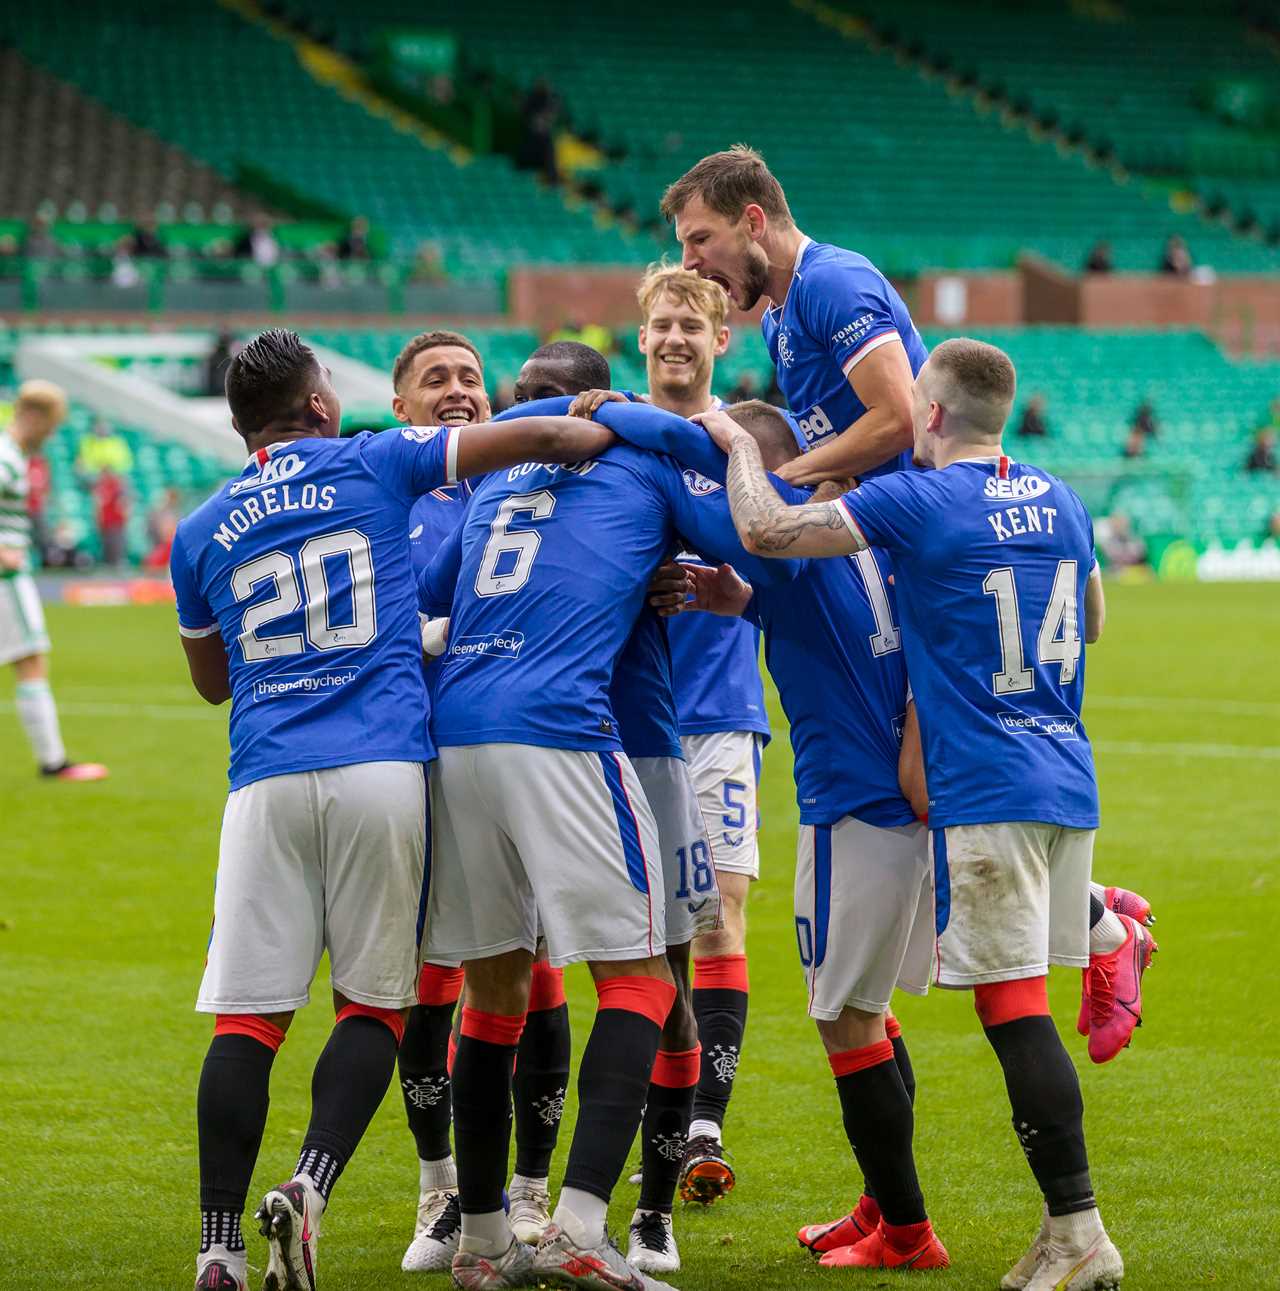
{"x": 302, "y": 564}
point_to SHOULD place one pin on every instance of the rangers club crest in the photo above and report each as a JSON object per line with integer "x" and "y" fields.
{"x": 426, "y": 1092}
{"x": 724, "y": 1062}
{"x": 550, "y": 1107}
{"x": 670, "y": 1147}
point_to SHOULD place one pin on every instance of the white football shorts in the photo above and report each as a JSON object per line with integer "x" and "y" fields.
{"x": 725, "y": 767}
{"x": 689, "y": 876}
{"x": 313, "y": 861}
{"x": 531, "y": 839}
{"x": 22, "y": 629}
{"x": 864, "y": 914}
{"x": 1012, "y": 899}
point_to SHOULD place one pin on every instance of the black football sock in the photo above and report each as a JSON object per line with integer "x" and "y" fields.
{"x": 1048, "y": 1112}
{"x": 540, "y": 1083}
{"x": 231, "y": 1114}
{"x": 424, "y": 1078}
{"x": 614, "y": 1079}
{"x": 1096, "y": 910}
{"x": 905, "y": 1070}
{"x": 879, "y": 1122}
{"x": 720, "y": 996}
{"x": 482, "y": 1107}
{"x": 220, "y": 1228}
{"x": 664, "y": 1129}
{"x": 347, "y": 1087}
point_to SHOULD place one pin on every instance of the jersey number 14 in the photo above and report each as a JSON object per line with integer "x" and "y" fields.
{"x": 1059, "y": 637}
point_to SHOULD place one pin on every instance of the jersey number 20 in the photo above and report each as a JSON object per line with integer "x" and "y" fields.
{"x": 349, "y": 545}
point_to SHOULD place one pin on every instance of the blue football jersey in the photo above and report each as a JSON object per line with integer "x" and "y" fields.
{"x": 716, "y": 665}
{"x": 990, "y": 562}
{"x": 302, "y": 564}
{"x": 641, "y": 693}
{"x": 839, "y": 309}
{"x": 543, "y": 583}
{"x": 434, "y": 517}
{"x": 834, "y": 650}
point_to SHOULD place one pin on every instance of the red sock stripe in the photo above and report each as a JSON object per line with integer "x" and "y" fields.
{"x": 677, "y": 1070}
{"x": 547, "y": 988}
{"x": 720, "y": 973}
{"x": 250, "y": 1024}
{"x": 452, "y": 1054}
{"x": 437, "y": 985}
{"x": 492, "y": 1028}
{"x": 851, "y": 1060}
{"x": 999, "y": 1002}
{"x": 391, "y": 1018}
{"x": 892, "y": 1027}
{"x": 651, "y": 997}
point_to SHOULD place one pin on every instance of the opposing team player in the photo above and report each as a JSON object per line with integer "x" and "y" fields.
{"x": 723, "y": 728}
{"x": 842, "y": 341}
{"x": 296, "y": 601}
{"x": 40, "y": 408}
{"x": 543, "y": 583}
{"x": 438, "y": 379}
{"x": 995, "y": 576}
{"x": 863, "y": 887}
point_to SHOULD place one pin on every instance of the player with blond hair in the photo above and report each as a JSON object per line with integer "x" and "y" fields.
{"x": 40, "y": 408}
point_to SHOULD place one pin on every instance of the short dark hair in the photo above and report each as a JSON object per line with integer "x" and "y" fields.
{"x": 769, "y": 427}
{"x": 270, "y": 379}
{"x": 728, "y": 182}
{"x": 588, "y": 367}
{"x": 978, "y": 381}
{"x": 429, "y": 341}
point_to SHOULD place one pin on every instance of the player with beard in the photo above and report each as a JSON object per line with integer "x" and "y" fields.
{"x": 438, "y": 379}
{"x": 841, "y": 338}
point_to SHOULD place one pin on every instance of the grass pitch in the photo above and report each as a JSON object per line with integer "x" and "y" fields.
{"x": 105, "y": 900}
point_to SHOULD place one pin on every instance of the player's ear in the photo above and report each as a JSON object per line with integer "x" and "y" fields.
{"x": 757, "y": 220}
{"x": 640, "y": 335}
{"x": 722, "y": 342}
{"x": 399, "y": 409}
{"x": 936, "y": 413}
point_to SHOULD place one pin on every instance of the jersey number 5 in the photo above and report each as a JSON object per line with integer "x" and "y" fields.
{"x": 349, "y": 546}
{"x": 1059, "y": 638}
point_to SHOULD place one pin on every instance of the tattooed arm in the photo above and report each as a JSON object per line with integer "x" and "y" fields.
{"x": 766, "y": 524}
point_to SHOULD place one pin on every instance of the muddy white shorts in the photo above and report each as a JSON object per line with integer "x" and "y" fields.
{"x": 1012, "y": 899}
{"x": 22, "y": 630}
{"x": 864, "y": 914}
{"x": 314, "y": 861}
{"x": 530, "y": 839}
{"x": 725, "y": 768}
{"x": 689, "y": 877}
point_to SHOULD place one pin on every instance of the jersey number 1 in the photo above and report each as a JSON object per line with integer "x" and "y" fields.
{"x": 1059, "y": 637}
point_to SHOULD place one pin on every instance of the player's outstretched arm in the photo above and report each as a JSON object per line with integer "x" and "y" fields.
{"x": 766, "y": 525}
{"x": 207, "y": 662}
{"x": 494, "y": 445}
{"x": 1095, "y": 606}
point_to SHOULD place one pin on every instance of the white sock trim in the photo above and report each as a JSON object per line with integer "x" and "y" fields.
{"x": 1108, "y": 934}
{"x": 522, "y": 1185}
{"x": 1077, "y": 1230}
{"x": 39, "y": 717}
{"x": 437, "y": 1174}
{"x": 701, "y": 1127}
{"x": 582, "y": 1215}
{"x": 486, "y": 1234}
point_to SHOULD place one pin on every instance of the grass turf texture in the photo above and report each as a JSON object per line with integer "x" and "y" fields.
{"x": 105, "y": 904}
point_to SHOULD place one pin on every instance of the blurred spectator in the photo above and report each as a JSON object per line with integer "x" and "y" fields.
{"x": 1272, "y": 530}
{"x": 1175, "y": 259}
{"x": 428, "y": 264}
{"x": 1262, "y": 457}
{"x": 1136, "y": 444}
{"x": 124, "y": 268}
{"x": 225, "y": 348}
{"x": 1144, "y": 419}
{"x": 539, "y": 114}
{"x": 63, "y": 550}
{"x": 162, "y": 524}
{"x": 39, "y": 486}
{"x": 747, "y": 387}
{"x": 1099, "y": 260}
{"x": 1033, "y": 423}
{"x": 596, "y": 335}
{"x": 10, "y": 254}
{"x": 39, "y": 243}
{"x": 111, "y": 508}
{"x": 354, "y": 244}
{"x": 1121, "y": 548}
{"x": 103, "y": 449}
{"x": 258, "y": 243}
{"x": 144, "y": 242}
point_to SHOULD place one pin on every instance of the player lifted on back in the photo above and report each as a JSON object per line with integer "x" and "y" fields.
{"x": 842, "y": 342}
{"x": 296, "y": 601}
{"x": 995, "y": 577}
{"x": 38, "y": 411}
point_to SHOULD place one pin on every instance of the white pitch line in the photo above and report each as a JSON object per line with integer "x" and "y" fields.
{"x": 157, "y": 712}
{"x": 1248, "y": 752}
{"x": 1234, "y": 707}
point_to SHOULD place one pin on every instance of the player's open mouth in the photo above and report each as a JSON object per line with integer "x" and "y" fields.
{"x": 724, "y": 282}
{"x": 457, "y": 417}
{"x": 677, "y": 360}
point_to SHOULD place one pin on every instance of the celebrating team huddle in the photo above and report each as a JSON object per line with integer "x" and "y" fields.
{"x": 496, "y": 709}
